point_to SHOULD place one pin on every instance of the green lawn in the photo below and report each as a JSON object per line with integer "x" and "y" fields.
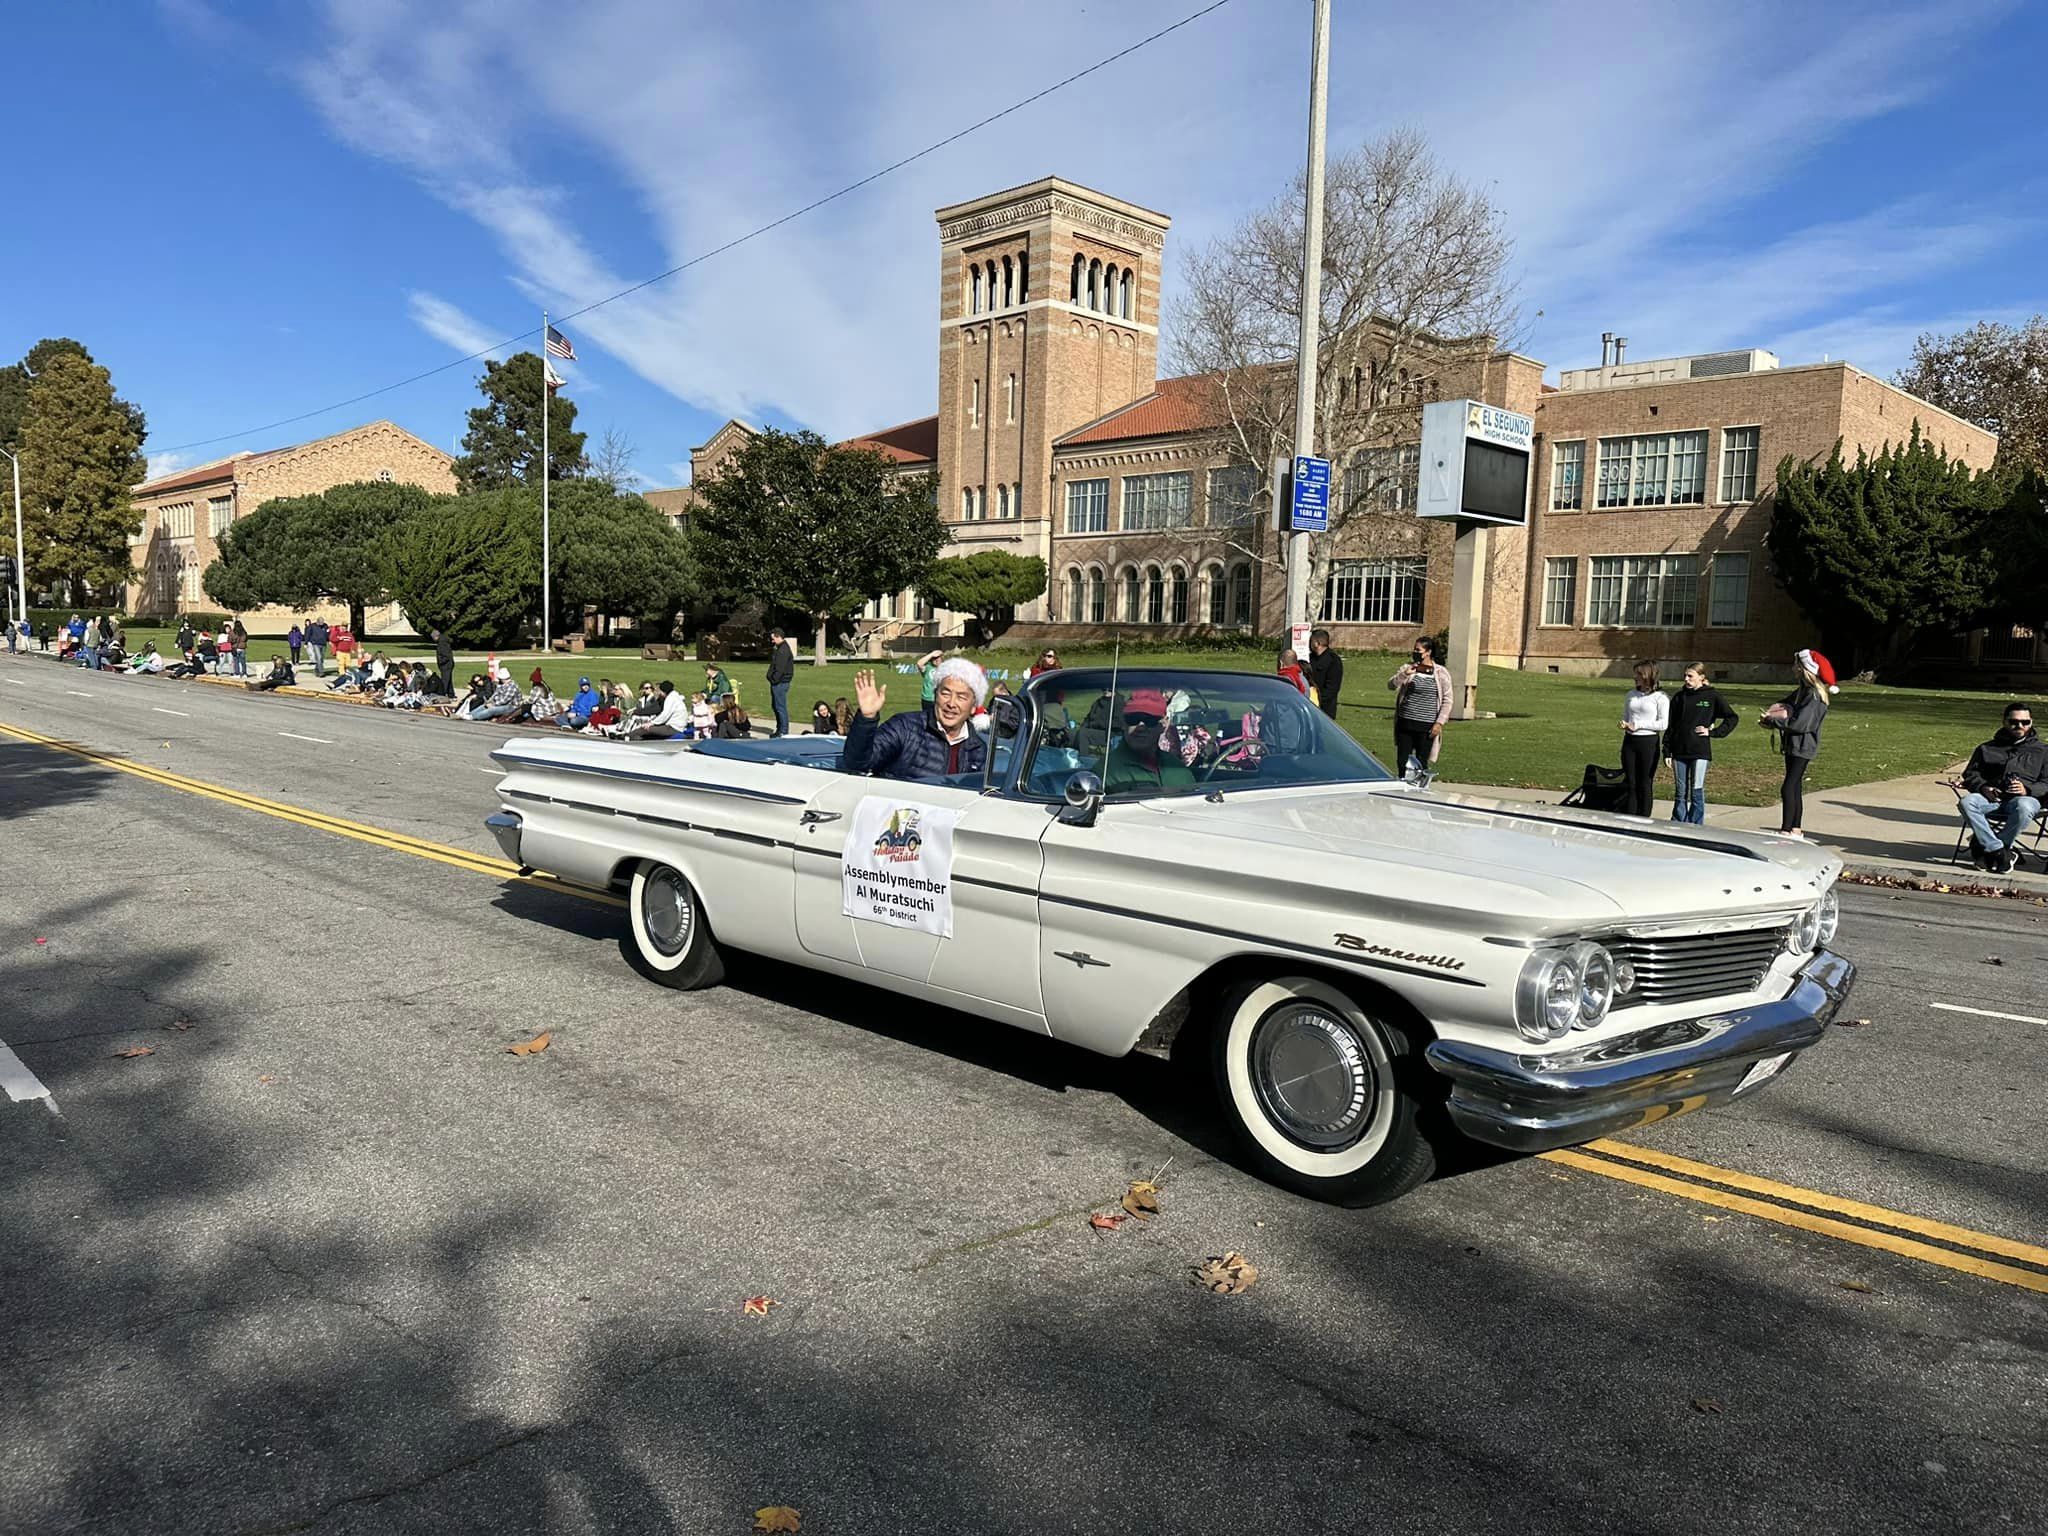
{"x": 1545, "y": 731}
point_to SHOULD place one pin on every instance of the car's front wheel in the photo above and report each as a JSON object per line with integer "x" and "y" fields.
{"x": 671, "y": 939}
{"x": 1312, "y": 1083}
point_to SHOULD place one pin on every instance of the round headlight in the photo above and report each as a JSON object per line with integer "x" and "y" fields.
{"x": 1547, "y": 997}
{"x": 1806, "y": 933}
{"x": 1624, "y": 975}
{"x": 1830, "y": 916}
{"x": 1597, "y": 984}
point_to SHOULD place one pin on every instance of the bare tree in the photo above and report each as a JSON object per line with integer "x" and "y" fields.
{"x": 1415, "y": 291}
{"x": 1993, "y": 375}
{"x": 613, "y": 461}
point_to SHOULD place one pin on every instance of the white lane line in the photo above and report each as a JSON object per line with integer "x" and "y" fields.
{"x": 76, "y": 694}
{"x": 295, "y": 736}
{"x": 20, "y": 1083}
{"x": 1988, "y": 1013}
{"x": 162, "y": 711}
{"x": 496, "y": 773}
{"x": 17, "y": 682}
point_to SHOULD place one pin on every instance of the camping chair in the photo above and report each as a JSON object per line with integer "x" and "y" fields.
{"x": 1602, "y": 789}
{"x": 2028, "y": 845}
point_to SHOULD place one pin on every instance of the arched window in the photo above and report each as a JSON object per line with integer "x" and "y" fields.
{"x": 1010, "y": 398}
{"x": 1177, "y": 612}
{"x": 1131, "y": 594}
{"x": 1074, "y": 590}
{"x": 1125, "y": 299}
{"x": 974, "y": 308}
{"x": 1002, "y": 501}
{"x": 1097, "y": 596}
{"x": 1241, "y": 594}
{"x": 967, "y": 503}
{"x": 1080, "y": 263}
{"x": 1095, "y": 285}
{"x": 1023, "y": 279}
{"x": 1155, "y": 595}
{"x": 1219, "y": 595}
{"x": 1017, "y": 499}
{"x": 1009, "y": 283}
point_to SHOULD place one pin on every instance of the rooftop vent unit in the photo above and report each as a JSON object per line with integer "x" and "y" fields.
{"x": 1614, "y": 373}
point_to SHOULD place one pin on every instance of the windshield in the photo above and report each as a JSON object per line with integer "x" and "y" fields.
{"x": 1160, "y": 732}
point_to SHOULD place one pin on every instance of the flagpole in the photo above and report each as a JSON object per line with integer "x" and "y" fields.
{"x": 546, "y": 613}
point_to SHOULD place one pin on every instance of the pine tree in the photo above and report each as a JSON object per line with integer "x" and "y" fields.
{"x": 81, "y": 457}
{"x": 501, "y": 449}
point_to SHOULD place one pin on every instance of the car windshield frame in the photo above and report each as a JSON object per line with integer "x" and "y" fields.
{"x": 1038, "y": 692}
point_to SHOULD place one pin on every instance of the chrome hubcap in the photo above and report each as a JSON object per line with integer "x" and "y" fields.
{"x": 666, "y": 911}
{"x": 1313, "y": 1075}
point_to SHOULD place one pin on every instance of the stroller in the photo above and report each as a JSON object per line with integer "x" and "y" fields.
{"x": 1602, "y": 789}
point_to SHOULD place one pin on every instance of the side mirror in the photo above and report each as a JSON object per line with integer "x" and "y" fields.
{"x": 1084, "y": 800}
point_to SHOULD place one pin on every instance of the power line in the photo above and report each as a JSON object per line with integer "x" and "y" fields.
{"x": 719, "y": 250}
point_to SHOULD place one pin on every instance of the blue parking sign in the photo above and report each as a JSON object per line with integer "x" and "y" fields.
{"x": 1311, "y": 509}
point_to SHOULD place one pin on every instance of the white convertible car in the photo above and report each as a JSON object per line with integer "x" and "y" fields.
{"x": 1362, "y": 961}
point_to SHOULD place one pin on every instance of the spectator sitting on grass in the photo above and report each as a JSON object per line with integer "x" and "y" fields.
{"x": 408, "y": 688}
{"x": 821, "y": 719}
{"x": 148, "y": 661}
{"x": 502, "y": 701}
{"x": 733, "y": 725}
{"x": 542, "y": 707}
{"x": 581, "y": 707}
{"x": 670, "y": 719}
{"x": 842, "y": 716}
{"x": 279, "y": 676}
{"x": 472, "y": 701}
{"x": 191, "y": 666}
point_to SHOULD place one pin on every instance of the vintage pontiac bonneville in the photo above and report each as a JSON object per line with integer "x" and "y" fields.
{"x": 1359, "y": 961}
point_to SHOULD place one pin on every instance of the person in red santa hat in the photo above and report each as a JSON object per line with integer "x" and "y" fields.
{"x": 1797, "y": 718}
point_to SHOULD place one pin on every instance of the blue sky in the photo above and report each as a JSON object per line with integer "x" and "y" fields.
{"x": 256, "y": 210}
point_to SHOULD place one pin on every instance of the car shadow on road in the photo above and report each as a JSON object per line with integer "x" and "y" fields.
{"x": 36, "y": 778}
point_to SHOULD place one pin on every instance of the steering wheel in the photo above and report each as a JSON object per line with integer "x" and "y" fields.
{"x": 1247, "y": 746}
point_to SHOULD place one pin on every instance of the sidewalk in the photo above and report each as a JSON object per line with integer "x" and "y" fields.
{"x": 1898, "y": 829}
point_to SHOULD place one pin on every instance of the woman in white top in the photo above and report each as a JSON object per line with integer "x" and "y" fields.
{"x": 1645, "y": 714}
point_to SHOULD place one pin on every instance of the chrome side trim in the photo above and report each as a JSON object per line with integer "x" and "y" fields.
{"x": 665, "y": 780}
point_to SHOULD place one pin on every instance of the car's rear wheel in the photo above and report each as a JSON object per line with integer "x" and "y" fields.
{"x": 671, "y": 939}
{"x": 1313, "y": 1084}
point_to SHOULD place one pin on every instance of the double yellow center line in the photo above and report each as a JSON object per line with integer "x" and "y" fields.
{"x": 1851, "y": 1221}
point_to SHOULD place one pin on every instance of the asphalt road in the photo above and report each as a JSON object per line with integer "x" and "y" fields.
{"x": 329, "y": 1259}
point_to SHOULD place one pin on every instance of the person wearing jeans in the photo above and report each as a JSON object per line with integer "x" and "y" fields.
{"x": 781, "y": 673}
{"x": 504, "y": 699}
{"x": 1645, "y": 716}
{"x": 2007, "y": 779}
{"x": 1699, "y": 715}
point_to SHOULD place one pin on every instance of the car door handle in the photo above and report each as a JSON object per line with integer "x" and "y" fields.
{"x": 812, "y": 818}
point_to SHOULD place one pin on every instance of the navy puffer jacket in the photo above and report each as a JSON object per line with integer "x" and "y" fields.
{"x": 908, "y": 747}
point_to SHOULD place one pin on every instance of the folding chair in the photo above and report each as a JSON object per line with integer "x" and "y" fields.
{"x": 2028, "y": 845}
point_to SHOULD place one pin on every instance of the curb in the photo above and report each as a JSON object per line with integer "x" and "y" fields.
{"x": 1959, "y": 880}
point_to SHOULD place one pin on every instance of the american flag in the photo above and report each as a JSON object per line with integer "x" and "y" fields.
{"x": 558, "y": 345}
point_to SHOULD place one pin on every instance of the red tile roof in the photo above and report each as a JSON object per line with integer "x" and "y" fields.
{"x": 205, "y": 474}
{"x": 914, "y": 442}
{"x": 1187, "y": 404}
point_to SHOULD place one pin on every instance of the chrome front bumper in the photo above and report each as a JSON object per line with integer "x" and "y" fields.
{"x": 504, "y": 827}
{"x": 1531, "y": 1103}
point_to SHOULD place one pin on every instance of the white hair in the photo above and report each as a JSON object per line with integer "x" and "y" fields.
{"x": 967, "y": 672}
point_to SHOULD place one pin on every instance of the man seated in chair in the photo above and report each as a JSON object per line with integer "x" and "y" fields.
{"x": 914, "y": 745}
{"x": 2007, "y": 778}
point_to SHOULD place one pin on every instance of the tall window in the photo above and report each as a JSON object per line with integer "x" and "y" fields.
{"x": 1729, "y": 605}
{"x": 1073, "y": 597}
{"x": 1098, "y": 595}
{"x": 1010, "y": 399}
{"x": 1157, "y": 501}
{"x": 1009, "y": 284}
{"x": 974, "y": 403}
{"x": 1088, "y": 506}
{"x": 1660, "y": 469}
{"x": 1644, "y": 591}
{"x": 1390, "y": 477}
{"x": 1155, "y": 595}
{"x": 1124, "y": 295}
{"x": 1219, "y": 595}
{"x": 974, "y": 284}
{"x": 966, "y": 503}
{"x": 1233, "y": 496}
{"x": 1131, "y": 594}
{"x": 1375, "y": 591}
{"x": 1023, "y": 279}
{"x": 1178, "y": 595}
{"x": 220, "y": 511}
{"x": 1560, "y": 589}
{"x": 1567, "y": 477}
{"x": 1738, "y": 463}
{"x": 1075, "y": 296}
{"x": 1003, "y": 502}
{"x": 1241, "y": 594}
{"x": 1095, "y": 285}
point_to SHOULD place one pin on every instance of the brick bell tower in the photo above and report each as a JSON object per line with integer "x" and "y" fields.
{"x": 1048, "y": 319}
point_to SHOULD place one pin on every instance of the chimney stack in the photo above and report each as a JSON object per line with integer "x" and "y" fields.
{"x": 1620, "y": 345}
{"x": 1606, "y": 346}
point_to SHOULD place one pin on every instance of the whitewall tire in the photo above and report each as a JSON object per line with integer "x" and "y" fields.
{"x": 1312, "y": 1084}
{"x": 671, "y": 941}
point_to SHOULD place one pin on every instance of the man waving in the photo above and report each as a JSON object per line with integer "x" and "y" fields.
{"x": 910, "y": 745}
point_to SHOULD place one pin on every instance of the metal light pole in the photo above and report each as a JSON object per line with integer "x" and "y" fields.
{"x": 20, "y": 548}
{"x": 1311, "y": 300}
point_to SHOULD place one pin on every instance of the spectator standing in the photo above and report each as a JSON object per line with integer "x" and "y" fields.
{"x": 186, "y": 635}
{"x": 241, "y": 648}
{"x": 89, "y": 651}
{"x": 1048, "y": 661}
{"x": 928, "y": 679}
{"x": 2007, "y": 777}
{"x": 1798, "y": 718}
{"x": 316, "y": 642}
{"x": 1645, "y": 717}
{"x": 1422, "y": 703}
{"x": 444, "y": 660}
{"x": 781, "y": 673}
{"x": 1699, "y": 717}
{"x": 294, "y": 639}
{"x": 1325, "y": 672}
{"x": 703, "y": 720}
{"x": 1290, "y": 668}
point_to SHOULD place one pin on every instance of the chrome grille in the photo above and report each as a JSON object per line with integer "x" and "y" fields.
{"x": 1681, "y": 967}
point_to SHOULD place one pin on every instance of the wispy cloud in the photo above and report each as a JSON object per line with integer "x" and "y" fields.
{"x": 166, "y": 464}
{"x": 446, "y": 323}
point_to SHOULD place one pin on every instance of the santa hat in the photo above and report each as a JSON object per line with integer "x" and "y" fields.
{"x": 1812, "y": 661}
{"x": 967, "y": 672}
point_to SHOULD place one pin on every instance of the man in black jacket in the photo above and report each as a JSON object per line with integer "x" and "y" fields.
{"x": 1699, "y": 717}
{"x": 444, "y": 661}
{"x": 1325, "y": 672}
{"x": 2008, "y": 777}
{"x": 781, "y": 673}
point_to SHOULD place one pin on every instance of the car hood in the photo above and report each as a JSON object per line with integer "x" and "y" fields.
{"x": 1568, "y": 866}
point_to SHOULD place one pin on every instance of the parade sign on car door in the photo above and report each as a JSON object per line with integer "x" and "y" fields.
{"x": 898, "y": 865}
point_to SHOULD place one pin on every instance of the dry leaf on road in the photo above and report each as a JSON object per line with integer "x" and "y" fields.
{"x": 267, "y": 1077}
{"x": 778, "y": 1517}
{"x": 179, "y": 1024}
{"x": 1856, "y": 1285}
{"x": 1706, "y": 1405}
{"x": 1852, "y": 1023}
{"x": 533, "y": 1047}
{"x": 1228, "y": 1274}
{"x": 1105, "y": 1223}
{"x": 1142, "y": 1199}
{"x": 757, "y": 1306}
{"x": 134, "y": 1051}
{"x": 1993, "y": 960}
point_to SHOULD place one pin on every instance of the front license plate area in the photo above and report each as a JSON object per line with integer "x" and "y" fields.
{"x": 1762, "y": 1072}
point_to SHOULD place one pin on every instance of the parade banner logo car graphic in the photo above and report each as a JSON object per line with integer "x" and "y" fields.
{"x": 898, "y": 865}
